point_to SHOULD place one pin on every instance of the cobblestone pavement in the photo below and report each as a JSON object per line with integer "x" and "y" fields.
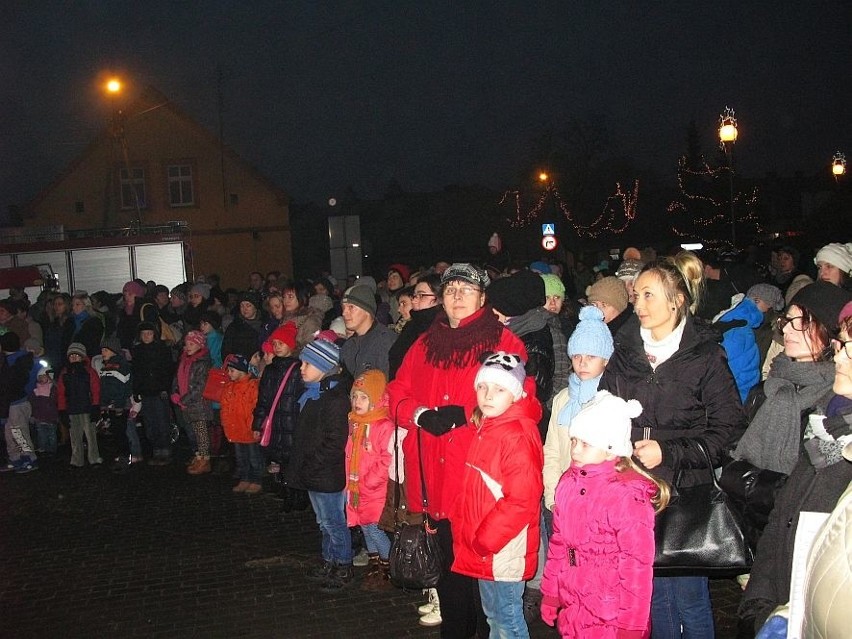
{"x": 157, "y": 553}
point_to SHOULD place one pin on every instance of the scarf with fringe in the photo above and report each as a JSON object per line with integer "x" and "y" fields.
{"x": 359, "y": 432}
{"x": 448, "y": 347}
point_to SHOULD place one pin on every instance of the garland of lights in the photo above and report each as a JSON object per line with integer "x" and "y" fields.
{"x": 721, "y": 214}
{"x": 622, "y": 202}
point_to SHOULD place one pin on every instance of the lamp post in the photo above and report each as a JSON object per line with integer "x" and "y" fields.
{"x": 838, "y": 165}
{"x": 727, "y": 138}
{"x": 113, "y": 89}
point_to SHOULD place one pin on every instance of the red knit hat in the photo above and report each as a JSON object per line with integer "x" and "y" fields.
{"x": 403, "y": 270}
{"x": 285, "y": 333}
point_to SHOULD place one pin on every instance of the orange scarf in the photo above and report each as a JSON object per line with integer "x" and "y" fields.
{"x": 359, "y": 431}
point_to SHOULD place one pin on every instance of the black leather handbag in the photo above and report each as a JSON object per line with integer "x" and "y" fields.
{"x": 415, "y": 559}
{"x": 701, "y": 532}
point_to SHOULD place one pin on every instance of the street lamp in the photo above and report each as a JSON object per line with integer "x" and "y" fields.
{"x": 727, "y": 138}
{"x": 838, "y": 165}
{"x": 113, "y": 88}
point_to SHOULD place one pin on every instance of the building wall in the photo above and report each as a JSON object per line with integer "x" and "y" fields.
{"x": 239, "y": 220}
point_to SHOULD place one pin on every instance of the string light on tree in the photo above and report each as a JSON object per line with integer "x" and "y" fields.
{"x": 617, "y": 212}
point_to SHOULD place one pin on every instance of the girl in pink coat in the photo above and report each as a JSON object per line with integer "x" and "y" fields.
{"x": 368, "y": 459}
{"x": 597, "y": 579}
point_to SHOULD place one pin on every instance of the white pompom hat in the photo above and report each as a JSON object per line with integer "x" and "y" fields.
{"x": 604, "y": 422}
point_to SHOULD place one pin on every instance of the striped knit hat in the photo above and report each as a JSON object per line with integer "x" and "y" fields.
{"x": 322, "y": 354}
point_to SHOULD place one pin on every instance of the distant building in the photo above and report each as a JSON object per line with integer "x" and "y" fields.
{"x": 156, "y": 166}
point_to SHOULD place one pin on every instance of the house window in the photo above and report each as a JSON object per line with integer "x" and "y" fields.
{"x": 180, "y": 185}
{"x": 132, "y": 188}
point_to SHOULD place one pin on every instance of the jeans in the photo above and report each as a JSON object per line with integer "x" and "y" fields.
{"x": 249, "y": 462}
{"x": 503, "y": 605}
{"x": 680, "y": 607}
{"x": 46, "y": 437}
{"x": 133, "y": 438}
{"x": 156, "y": 414}
{"x": 376, "y": 539}
{"x": 535, "y": 582}
{"x": 330, "y": 509}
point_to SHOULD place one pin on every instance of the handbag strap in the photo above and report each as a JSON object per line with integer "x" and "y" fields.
{"x": 280, "y": 390}
{"x": 702, "y": 447}
{"x": 422, "y": 476}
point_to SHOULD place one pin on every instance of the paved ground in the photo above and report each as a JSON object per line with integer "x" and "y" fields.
{"x": 156, "y": 553}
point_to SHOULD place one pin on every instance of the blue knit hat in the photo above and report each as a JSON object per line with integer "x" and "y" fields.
{"x": 323, "y": 354}
{"x": 592, "y": 336}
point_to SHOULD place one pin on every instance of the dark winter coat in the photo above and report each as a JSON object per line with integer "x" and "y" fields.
{"x": 116, "y": 385}
{"x": 78, "y": 388}
{"x": 57, "y": 339}
{"x": 416, "y": 326}
{"x": 318, "y": 460}
{"x": 242, "y": 337}
{"x": 153, "y": 368}
{"x": 533, "y": 329}
{"x": 690, "y": 396}
{"x": 193, "y": 406}
{"x": 89, "y": 335}
{"x": 127, "y": 328}
{"x": 286, "y": 411}
{"x": 14, "y": 376}
{"x": 807, "y": 489}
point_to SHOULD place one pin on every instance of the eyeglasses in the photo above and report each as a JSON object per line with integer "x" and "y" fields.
{"x": 842, "y": 345}
{"x": 464, "y": 291}
{"x": 553, "y": 298}
{"x": 598, "y": 304}
{"x": 799, "y": 323}
{"x": 422, "y": 296}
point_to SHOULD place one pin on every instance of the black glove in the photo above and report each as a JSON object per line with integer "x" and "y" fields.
{"x": 442, "y": 420}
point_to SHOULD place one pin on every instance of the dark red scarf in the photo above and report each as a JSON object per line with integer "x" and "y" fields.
{"x": 448, "y": 347}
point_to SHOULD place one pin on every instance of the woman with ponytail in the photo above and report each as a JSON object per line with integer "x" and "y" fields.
{"x": 674, "y": 365}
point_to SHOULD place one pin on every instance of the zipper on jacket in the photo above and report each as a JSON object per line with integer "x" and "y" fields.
{"x": 572, "y": 557}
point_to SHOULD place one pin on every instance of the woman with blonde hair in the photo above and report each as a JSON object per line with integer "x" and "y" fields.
{"x": 673, "y": 364}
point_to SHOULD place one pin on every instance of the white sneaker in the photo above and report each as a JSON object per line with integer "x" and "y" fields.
{"x": 431, "y": 604}
{"x": 433, "y": 618}
{"x": 362, "y": 558}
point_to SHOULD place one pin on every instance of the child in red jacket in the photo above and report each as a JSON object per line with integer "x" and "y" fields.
{"x": 237, "y": 413}
{"x": 600, "y": 561}
{"x": 495, "y": 519}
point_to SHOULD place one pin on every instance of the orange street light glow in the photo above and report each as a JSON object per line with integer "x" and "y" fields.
{"x": 113, "y": 86}
{"x": 542, "y": 177}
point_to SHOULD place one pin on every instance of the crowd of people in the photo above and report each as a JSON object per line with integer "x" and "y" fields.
{"x": 535, "y": 415}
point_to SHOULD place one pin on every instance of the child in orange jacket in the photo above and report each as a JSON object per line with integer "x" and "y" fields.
{"x": 239, "y": 398}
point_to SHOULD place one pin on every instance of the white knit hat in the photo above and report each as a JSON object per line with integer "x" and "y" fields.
{"x": 503, "y": 369}
{"x": 604, "y": 422}
{"x": 839, "y": 255}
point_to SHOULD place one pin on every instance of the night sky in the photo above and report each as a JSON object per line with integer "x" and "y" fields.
{"x": 324, "y": 95}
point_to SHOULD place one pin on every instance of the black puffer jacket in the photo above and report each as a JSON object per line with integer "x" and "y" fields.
{"x": 242, "y": 337}
{"x": 533, "y": 329}
{"x": 318, "y": 460}
{"x": 691, "y": 395}
{"x": 287, "y": 409}
{"x": 153, "y": 368}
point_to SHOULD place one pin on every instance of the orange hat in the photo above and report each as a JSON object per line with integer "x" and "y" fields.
{"x": 285, "y": 333}
{"x": 372, "y": 383}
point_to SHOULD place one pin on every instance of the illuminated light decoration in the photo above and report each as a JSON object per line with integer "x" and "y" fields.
{"x": 113, "y": 85}
{"x": 728, "y": 127}
{"x": 621, "y": 206}
{"x": 838, "y": 164}
{"x": 719, "y": 207}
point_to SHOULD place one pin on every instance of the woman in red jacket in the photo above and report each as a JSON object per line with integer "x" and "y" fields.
{"x": 433, "y": 391}
{"x": 495, "y": 519}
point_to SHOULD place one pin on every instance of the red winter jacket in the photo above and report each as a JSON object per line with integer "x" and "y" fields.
{"x": 495, "y": 518}
{"x": 418, "y": 383}
{"x": 601, "y": 554}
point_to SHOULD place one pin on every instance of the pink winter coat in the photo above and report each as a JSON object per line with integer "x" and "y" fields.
{"x": 373, "y": 473}
{"x": 600, "y": 558}
{"x": 495, "y": 519}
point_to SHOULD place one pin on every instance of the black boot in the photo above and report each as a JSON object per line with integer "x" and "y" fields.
{"x": 321, "y": 572}
{"x": 341, "y": 577}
